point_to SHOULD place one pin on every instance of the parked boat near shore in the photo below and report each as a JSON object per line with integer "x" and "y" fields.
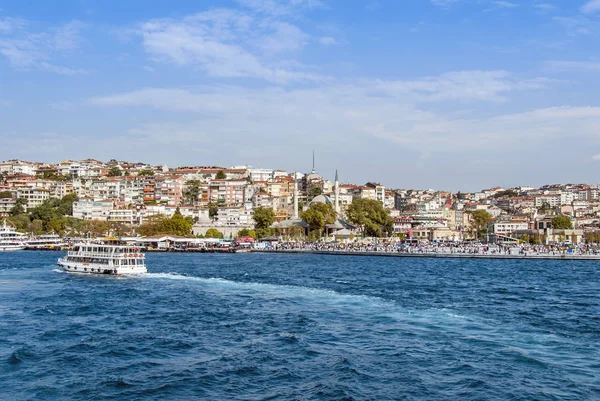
{"x": 47, "y": 241}
{"x": 10, "y": 239}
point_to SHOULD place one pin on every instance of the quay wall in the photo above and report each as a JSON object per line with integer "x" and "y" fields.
{"x": 565, "y": 256}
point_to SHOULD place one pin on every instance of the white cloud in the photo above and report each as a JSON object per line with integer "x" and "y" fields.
{"x": 596, "y": 157}
{"x": 591, "y": 7}
{"x": 11, "y": 24}
{"x": 569, "y": 66}
{"x": 545, "y": 7}
{"x": 227, "y": 43}
{"x": 67, "y": 37}
{"x": 576, "y": 26}
{"x": 328, "y": 41}
{"x": 504, "y": 4}
{"x": 397, "y": 111}
{"x": 34, "y": 50}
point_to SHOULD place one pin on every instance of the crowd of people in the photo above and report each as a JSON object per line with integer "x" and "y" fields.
{"x": 434, "y": 248}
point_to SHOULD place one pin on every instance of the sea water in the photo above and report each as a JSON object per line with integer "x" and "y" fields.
{"x": 301, "y": 327}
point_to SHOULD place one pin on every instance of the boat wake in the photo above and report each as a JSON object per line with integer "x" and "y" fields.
{"x": 279, "y": 290}
{"x": 377, "y": 309}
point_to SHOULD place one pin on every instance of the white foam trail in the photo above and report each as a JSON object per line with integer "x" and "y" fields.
{"x": 281, "y": 290}
{"x": 58, "y": 270}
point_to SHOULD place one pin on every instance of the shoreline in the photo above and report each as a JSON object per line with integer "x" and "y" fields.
{"x": 435, "y": 255}
{"x": 439, "y": 255}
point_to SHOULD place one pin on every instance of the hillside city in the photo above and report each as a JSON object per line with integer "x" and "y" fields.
{"x": 131, "y": 198}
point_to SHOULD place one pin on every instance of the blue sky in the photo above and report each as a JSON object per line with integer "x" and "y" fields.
{"x": 447, "y": 94}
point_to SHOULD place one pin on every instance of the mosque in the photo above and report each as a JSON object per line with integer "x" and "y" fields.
{"x": 340, "y": 229}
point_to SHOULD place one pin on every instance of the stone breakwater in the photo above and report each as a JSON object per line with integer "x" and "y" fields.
{"x": 531, "y": 255}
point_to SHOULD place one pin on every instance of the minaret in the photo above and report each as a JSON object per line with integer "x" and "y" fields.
{"x": 295, "y": 216}
{"x": 336, "y": 194}
{"x": 313, "y": 169}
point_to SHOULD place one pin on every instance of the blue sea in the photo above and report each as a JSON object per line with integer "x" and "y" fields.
{"x": 301, "y": 327}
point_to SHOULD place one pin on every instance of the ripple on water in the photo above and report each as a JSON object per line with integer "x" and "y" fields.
{"x": 203, "y": 326}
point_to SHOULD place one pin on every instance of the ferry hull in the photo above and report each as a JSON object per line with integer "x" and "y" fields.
{"x": 11, "y": 248}
{"x": 71, "y": 267}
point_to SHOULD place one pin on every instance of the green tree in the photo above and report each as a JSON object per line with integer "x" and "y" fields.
{"x": 36, "y": 227}
{"x": 509, "y": 193}
{"x": 65, "y": 208}
{"x": 20, "y": 221}
{"x": 244, "y": 232}
{"x": 480, "y": 220}
{"x": 192, "y": 192}
{"x": 545, "y": 207}
{"x": 264, "y": 217}
{"x": 114, "y": 172}
{"x": 213, "y": 208}
{"x": 96, "y": 228}
{"x": 5, "y": 195}
{"x": 592, "y": 237}
{"x": 318, "y": 215}
{"x": 19, "y": 207}
{"x": 53, "y": 176}
{"x": 75, "y": 227}
{"x": 56, "y": 224}
{"x": 145, "y": 172}
{"x": 213, "y": 233}
{"x": 265, "y": 232}
{"x": 562, "y": 223}
{"x": 118, "y": 229}
{"x": 221, "y": 175}
{"x": 371, "y": 217}
{"x": 176, "y": 225}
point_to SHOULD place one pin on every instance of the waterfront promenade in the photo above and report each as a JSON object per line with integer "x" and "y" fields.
{"x": 482, "y": 252}
{"x": 437, "y": 255}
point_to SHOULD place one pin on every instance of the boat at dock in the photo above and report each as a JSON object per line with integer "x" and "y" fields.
{"x": 91, "y": 258}
{"x": 46, "y": 242}
{"x": 10, "y": 239}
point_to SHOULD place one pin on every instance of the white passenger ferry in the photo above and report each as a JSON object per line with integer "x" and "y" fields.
{"x": 10, "y": 239}
{"x": 46, "y": 241}
{"x": 104, "y": 259}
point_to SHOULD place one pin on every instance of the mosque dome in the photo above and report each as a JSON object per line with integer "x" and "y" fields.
{"x": 321, "y": 199}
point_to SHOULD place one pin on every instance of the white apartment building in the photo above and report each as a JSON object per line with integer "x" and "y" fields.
{"x": 27, "y": 169}
{"x": 426, "y": 206}
{"x": 567, "y": 197}
{"x": 261, "y": 174}
{"x": 235, "y": 216}
{"x": 60, "y": 189}
{"x": 6, "y": 204}
{"x": 34, "y": 196}
{"x": 125, "y": 216}
{"x": 88, "y": 209}
{"x": 552, "y": 200}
